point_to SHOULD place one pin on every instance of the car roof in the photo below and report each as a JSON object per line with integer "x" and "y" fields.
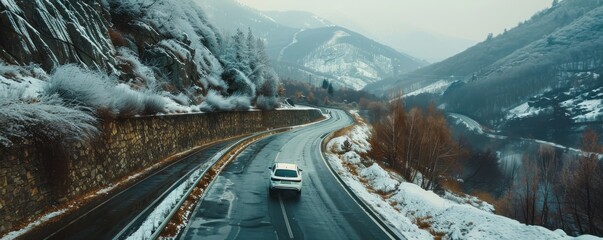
{"x": 289, "y": 166}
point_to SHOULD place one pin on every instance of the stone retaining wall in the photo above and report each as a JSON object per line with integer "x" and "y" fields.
{"x": 28, "y": 175}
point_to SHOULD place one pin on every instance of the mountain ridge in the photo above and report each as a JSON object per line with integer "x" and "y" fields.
{"x": 292, "y": 47}
{"x": 527, "y": 75}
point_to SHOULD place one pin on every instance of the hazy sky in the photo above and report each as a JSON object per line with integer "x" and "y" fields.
{"x": 466, "y": 19}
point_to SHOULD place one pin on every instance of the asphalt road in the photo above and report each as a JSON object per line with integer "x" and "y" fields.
{"x": 237, "y": 205}
{"x": 105, "y": 220}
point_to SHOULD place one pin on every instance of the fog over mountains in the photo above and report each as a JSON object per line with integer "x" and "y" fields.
{"x": 309, "y": 48}
{"x": 547, "y": 67}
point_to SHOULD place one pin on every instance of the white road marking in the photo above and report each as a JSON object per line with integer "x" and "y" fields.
{"x": 285, "y": 215}
{"x": 350, "y": 194}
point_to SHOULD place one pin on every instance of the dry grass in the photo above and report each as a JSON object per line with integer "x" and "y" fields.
{"x": 350, "y": 167}
{"x": 453, "y": 186}
{"x": 424, "y": 223}
{"x": 484, "y": 196}
{"x": 343, "y": 132}
{"x": 359, "y": 120}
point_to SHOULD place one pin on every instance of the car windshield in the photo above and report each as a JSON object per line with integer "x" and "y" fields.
{"x": 285, "y": 173}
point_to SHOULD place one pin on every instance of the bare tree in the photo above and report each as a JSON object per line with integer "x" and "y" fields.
{"x": 388, "y": 136}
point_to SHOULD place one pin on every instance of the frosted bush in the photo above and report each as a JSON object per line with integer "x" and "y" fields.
{"x": 9, "y": 70}
{"x": 352, "y": 157}
{"x": 181, "y": 99}
{"x": 46, "y": 118}
{"x": 89, "y": 88}
{"x": 214, "y": 101}
{"x": 14, "y": 71}
{"x": 267, "y": 103}
{"x": 239, "y": 83}
{"x": 183, "y": 21}
{"x": 100, "y": 92}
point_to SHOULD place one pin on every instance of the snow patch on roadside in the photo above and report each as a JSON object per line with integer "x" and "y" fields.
{"x": 378, "y": 178}
{"x": 43, "y": 219}
{"x": 403, "y": 205}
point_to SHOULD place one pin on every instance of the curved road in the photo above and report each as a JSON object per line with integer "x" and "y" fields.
{"x": 105, "y": 220}
{"x": 237, "y": 205}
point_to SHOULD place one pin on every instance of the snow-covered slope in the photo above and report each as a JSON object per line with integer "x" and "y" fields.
{"x": 298, "y": 19}
{"x": 351, "y": 59}
{"x": 121, "y": 58}
{"x": 540, "y": 79}
{"x": 51, "y": 33}
{"x": 419, "y": 214}
{"x": 306, "y": 45}
{"x": 229, "y": 15}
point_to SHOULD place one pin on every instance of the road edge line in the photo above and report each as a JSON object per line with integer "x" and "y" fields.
{"x": 363, "y": 205}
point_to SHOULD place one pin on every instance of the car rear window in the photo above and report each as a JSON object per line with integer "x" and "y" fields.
{"x": 285, "y": 173}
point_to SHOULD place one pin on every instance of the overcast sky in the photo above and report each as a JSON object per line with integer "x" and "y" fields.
{"x": 466, "y": 19}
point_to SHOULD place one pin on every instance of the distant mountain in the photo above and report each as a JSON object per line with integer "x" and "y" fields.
{"x": 348, "y": 57}
{"x": 307, "y": 47}
{"x": 550, "y": 64}
{"x": 298, "y": 19}
{"x": 230, "y": 15}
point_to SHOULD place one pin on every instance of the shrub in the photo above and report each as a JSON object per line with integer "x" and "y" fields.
{"x": 102, "y": 93}
{"x": 42, "y": 119}
{"x": 214, "y": 101}
{"x": 267, "y": 103}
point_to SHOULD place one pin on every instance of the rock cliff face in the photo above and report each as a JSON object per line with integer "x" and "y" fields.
{"x": 149, "y": 44}
{"x": 52, "y": 33}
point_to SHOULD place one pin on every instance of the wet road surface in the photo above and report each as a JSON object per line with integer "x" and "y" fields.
{"x": 109, "y": 218}
{"x": 237, "y": 205}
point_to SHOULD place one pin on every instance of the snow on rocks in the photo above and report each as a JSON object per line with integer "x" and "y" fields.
{"x": 379, "y": 178}
{"x": 351, "y": 157}
{"x": 416, "y": 213}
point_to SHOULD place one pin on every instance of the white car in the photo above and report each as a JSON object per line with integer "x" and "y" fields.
{"x": 285, "y": 176}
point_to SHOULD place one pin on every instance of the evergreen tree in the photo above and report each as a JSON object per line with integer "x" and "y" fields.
{"x": 235, "y": 59}
{"x": 241, "y": 52}
{"x": 253, "y": 58}
{"x": 325, "y": 84}
{"x": 330, "y": 90}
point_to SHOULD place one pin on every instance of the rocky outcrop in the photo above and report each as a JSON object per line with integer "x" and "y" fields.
{"x": 52, "y": 33}
{"x": 91, "y": 32}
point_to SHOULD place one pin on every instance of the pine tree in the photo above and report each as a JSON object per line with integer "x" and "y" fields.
{"x": 254, "y": 63}
{"x": 330, "y": 89}
{"x": 241, "y": 52}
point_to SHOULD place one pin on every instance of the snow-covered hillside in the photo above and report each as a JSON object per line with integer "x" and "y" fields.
{"x": 349, "y": 58}
{"x": 419, "y": 214}
{"x": 306, "y": 46}
{"x": 298, "y": 19}
{"x": 116, "y": 58}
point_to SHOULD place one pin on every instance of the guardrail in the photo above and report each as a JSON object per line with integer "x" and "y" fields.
{"x": 230, "y": 152}
{"x": 218, "y": 160}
